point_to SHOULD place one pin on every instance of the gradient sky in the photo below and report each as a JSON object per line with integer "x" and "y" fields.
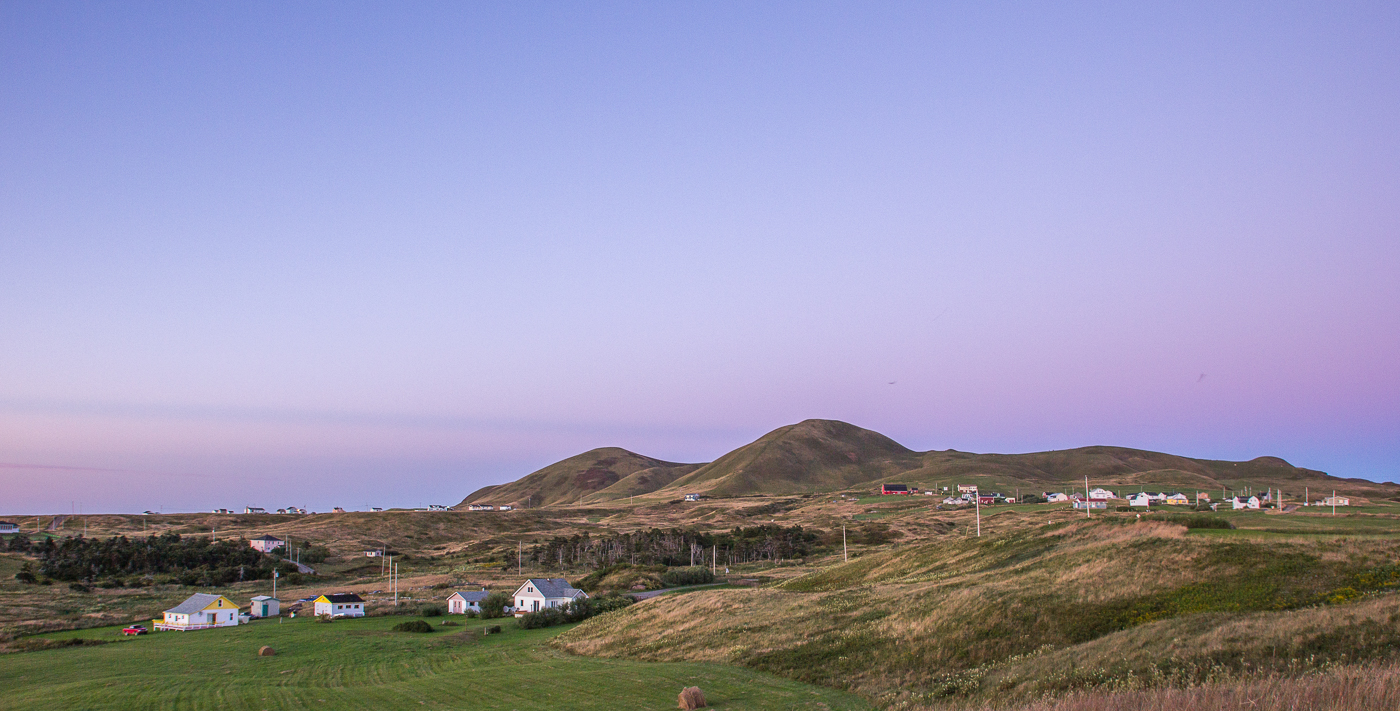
{"x": 259, "y": 253}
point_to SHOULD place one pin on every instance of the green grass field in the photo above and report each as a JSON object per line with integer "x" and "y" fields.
{"x": 362, "y": 664}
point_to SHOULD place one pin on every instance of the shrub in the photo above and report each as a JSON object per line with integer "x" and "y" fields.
{"x": 493, "y": 629}
{"x": 576, "y": 611}
{"x": 471, "y": 614}
{"x": 79, "y": 587}
{"x": 1198, "y": 521}
{"x": 413, "y": 626}
{"x": 494, "y": 605}
{"x": 325, "y": 617}
{"x": 26, "y": 574}
{"x": 688, "y": 576}
{"x": 430, "y": 610}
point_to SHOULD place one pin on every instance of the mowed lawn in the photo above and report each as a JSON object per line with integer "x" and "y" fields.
{"x": 362, "y": 664}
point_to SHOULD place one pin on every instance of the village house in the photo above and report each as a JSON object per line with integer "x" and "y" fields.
{"x": 1103, "y": 494}
{"x": 537, "y": 594}
{"x": 893, "y": 489}
{"x": 1091, "y": 504}
{"x": 337, "y": 510}
{"x": 1240, "y": 502}
{"x": 437, "y": 507}
{"x": 376, "y": 508}
{"x": 1140, "y": 499}
{"x": 1336, "y": 501}
{"x": 220, "y": 511}
{"x": 967, "y": 488}
{"x": 462, "y": 602}
{"x": 265, "y": 606}
{"x": 506, "y": 508}
{"x": 374, "y": 554}
{"x": 480, "y": 507}
{"x": 339, "y": 605}
{"x": 254, "y": 509}
{"x": 9, "y": 527}
{"x": 1056, "y": 498}
{"x": 1177, "y": 500}
{"x": 988, "y": 499}
{"x": 267, "y": 544}
{"x": 692, "y": 497}
{"x": 200, "y": 611}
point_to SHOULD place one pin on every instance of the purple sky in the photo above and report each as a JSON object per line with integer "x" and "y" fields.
{"x": 252, "y": 253}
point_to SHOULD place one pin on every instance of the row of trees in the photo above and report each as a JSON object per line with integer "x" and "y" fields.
{"x": 676, "y": 547}
{"x": 191, "y": 561}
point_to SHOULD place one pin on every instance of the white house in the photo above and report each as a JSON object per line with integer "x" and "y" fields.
{"x": 1336, "y": 501}
{"x": 1140, "y": 499}
{"x": 340, "y": 605}
{"x": 1104, "y": 494}
{"x": 437, "y": 507}
{"x": 267, "y": 544}
{"x": 537, "y": 594}
{"x": 374, "y": 554}
{"x": 1091, "y": 504}
{"x": 507, "y": 508}
{"x": 253, "y": 509}
{"x": 1239, "y": 502}
{"x": 200, "y": 611}
{"x": 1056, "y": 498}
{"x": 692, "y": 497}
{"x": 464, "y": 601}
{"x": 9, "y": 527}
{"x": 480, "y": 507}
{"x": 265, "y": 606}
{"x": 967, "y": 488}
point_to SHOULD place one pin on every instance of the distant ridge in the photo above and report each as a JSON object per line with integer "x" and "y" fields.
{"x": 829, "y": 455}
{"x": 812, "y": 455}
{"x": 572, "y": 479}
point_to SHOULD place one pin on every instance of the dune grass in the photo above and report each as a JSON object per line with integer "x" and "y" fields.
{"x": 362, "y": 664}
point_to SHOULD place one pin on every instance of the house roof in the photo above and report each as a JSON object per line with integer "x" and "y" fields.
{"x": 269, "y": 538}
{"x": 340, "y": 597}
{"x": 260, "y": 598}
{"x": 552, "y": 587}
{"x": 470, "y": 595}
{"x": 196, "y": 603}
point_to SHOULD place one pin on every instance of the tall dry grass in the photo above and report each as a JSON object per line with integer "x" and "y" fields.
{"x": 1354, "y": 688}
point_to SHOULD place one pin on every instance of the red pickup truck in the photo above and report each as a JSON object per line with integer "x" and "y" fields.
{"x": 134, "y": 629}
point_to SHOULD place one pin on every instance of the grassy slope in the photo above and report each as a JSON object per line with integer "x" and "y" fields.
{"x": 827, "y": 455}
{"x": 361, "y": 664}
{"x": 813, "y": 455}
{"x": 642, "y": 482}
{"x": 570, "y": 480}
{"x": 1008, "y": 615}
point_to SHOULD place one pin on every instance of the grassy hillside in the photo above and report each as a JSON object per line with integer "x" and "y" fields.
{"x": 1037, "y": 610}
{"x": 574, "y": 478}
{"x": 813, "y": 455}
{"x": 363, "y": 664}
{"x": 642, "y": 482}
{"x": 827, "y": 456}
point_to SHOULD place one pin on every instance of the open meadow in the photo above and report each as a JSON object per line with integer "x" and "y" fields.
{"x": 363, "y": 664}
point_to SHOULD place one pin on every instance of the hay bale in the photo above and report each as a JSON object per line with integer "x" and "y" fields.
{"x": 266, "y": 651}
{"x": 692, "y": 698}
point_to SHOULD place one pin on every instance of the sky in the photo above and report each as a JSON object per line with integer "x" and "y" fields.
{"x": 382, "y": 254}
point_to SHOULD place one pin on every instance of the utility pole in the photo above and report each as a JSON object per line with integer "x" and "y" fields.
{"x": 519, "y": 557}
{"x": 394, "y": 575}
{"x": 714, "y": 558}
{"x": 274, "y": 584}
{"x": 1334, "y": 502}
{"x": 845, "y": 557}
{"x": 977, "y": 496}
{"x": 1086, "y": 497}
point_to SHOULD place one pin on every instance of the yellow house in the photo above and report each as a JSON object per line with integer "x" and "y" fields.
{"x": 200, "y": 611}
{"x": 1178, "y": 500}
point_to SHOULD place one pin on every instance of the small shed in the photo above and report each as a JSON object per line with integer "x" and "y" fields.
{"x": 9, "y": 527}
{"x": 265, "y": 606}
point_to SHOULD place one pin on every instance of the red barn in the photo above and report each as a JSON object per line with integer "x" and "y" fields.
{"x": 894, "y": 489}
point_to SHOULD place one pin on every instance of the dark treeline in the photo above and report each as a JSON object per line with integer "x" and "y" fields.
{"x": 189, "y": 561}
{"x": 676, "y": 547}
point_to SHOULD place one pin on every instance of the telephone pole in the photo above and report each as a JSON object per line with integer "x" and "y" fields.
{"x": 845, "y": 557}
